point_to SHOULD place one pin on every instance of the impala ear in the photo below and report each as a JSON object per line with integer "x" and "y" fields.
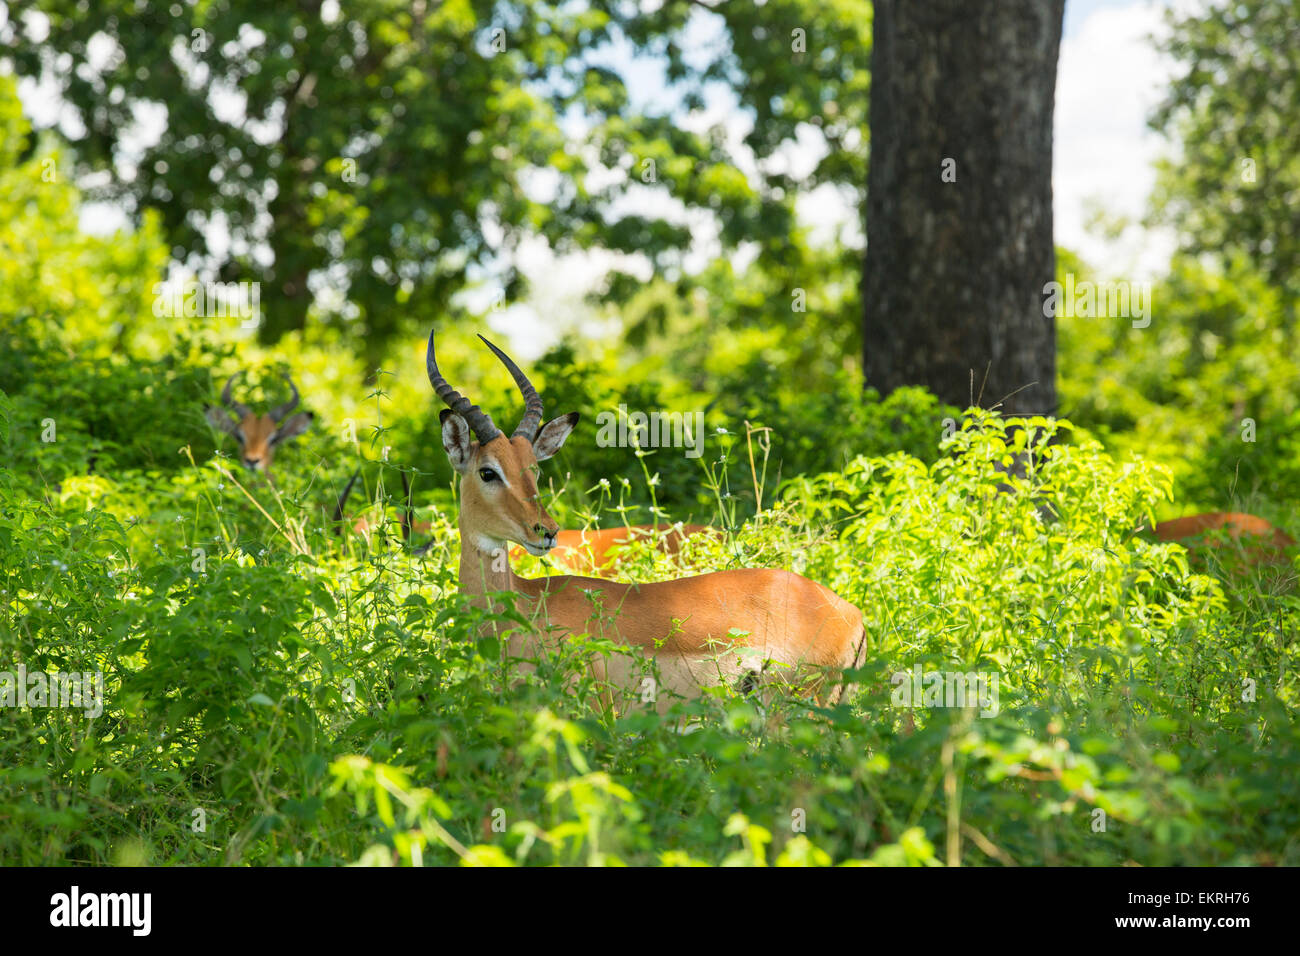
{"x": 220, "y": 419}
{"x": 293, "y": 427}
{"x": 551, "y": 438}
{"x": 456, "y": 439}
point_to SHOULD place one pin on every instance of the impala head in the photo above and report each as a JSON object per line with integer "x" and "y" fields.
{"x": 258, "y": 435}
{"x": 499, "y": 500}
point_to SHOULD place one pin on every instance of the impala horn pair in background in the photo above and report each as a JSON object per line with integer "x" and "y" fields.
{"x": 258, "y": 435}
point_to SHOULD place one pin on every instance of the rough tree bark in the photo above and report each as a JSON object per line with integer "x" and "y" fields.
{"x": 955, "y": 270}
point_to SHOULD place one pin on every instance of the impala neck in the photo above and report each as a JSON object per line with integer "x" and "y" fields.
{"x": 484, "y": 565}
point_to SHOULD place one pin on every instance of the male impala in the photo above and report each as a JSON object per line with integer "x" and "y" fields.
{"x": 729, "y": 625}
{"x": 258, "y": 435}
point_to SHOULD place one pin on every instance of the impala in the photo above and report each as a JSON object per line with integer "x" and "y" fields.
{"x": 1262, "y": 543}
{"x": 258, "y": 435}
{"x": 736, "y": 625}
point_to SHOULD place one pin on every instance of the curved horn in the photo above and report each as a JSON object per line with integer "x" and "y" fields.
{"x": 479, "y": 420}
{"x": 239, "y": 408}
{"x": 280, "y": 411}
{"x": 532, "y": 419}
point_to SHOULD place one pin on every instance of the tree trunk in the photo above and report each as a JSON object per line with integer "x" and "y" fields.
{"x": 959, "y": 201}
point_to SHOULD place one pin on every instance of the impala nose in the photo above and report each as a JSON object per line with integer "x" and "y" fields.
{"x": 252, "y": 462}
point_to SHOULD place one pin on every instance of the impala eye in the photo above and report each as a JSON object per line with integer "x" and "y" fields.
{"x": 488, "y": 475}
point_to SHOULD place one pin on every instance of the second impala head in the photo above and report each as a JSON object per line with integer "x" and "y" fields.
{"x": 499, "y": 499}
{"x": 258, "y": 435}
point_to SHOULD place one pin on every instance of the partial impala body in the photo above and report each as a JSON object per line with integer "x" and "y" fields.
{"x": 1261, "y": 542}
{"x": 736, "y": 627}
{"x": 591, "y": 550}
{"x": 258, "y": 435}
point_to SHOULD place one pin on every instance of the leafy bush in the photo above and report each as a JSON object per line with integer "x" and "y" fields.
{"x": 285, "y": 696}
{"x": 1208, "y": 388}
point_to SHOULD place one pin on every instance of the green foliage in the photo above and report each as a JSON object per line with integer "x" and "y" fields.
{"x": 75, "y": 415}
{"x": 98, "y": 287}
{"x": 300, "y": 698}
{"x": 807, "y": 430}
{"x": 1209, "y": 388}
{"x": 279, "y": 693}
{"x": 404, "y": 151}
{"x": 1231, "y": 190}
